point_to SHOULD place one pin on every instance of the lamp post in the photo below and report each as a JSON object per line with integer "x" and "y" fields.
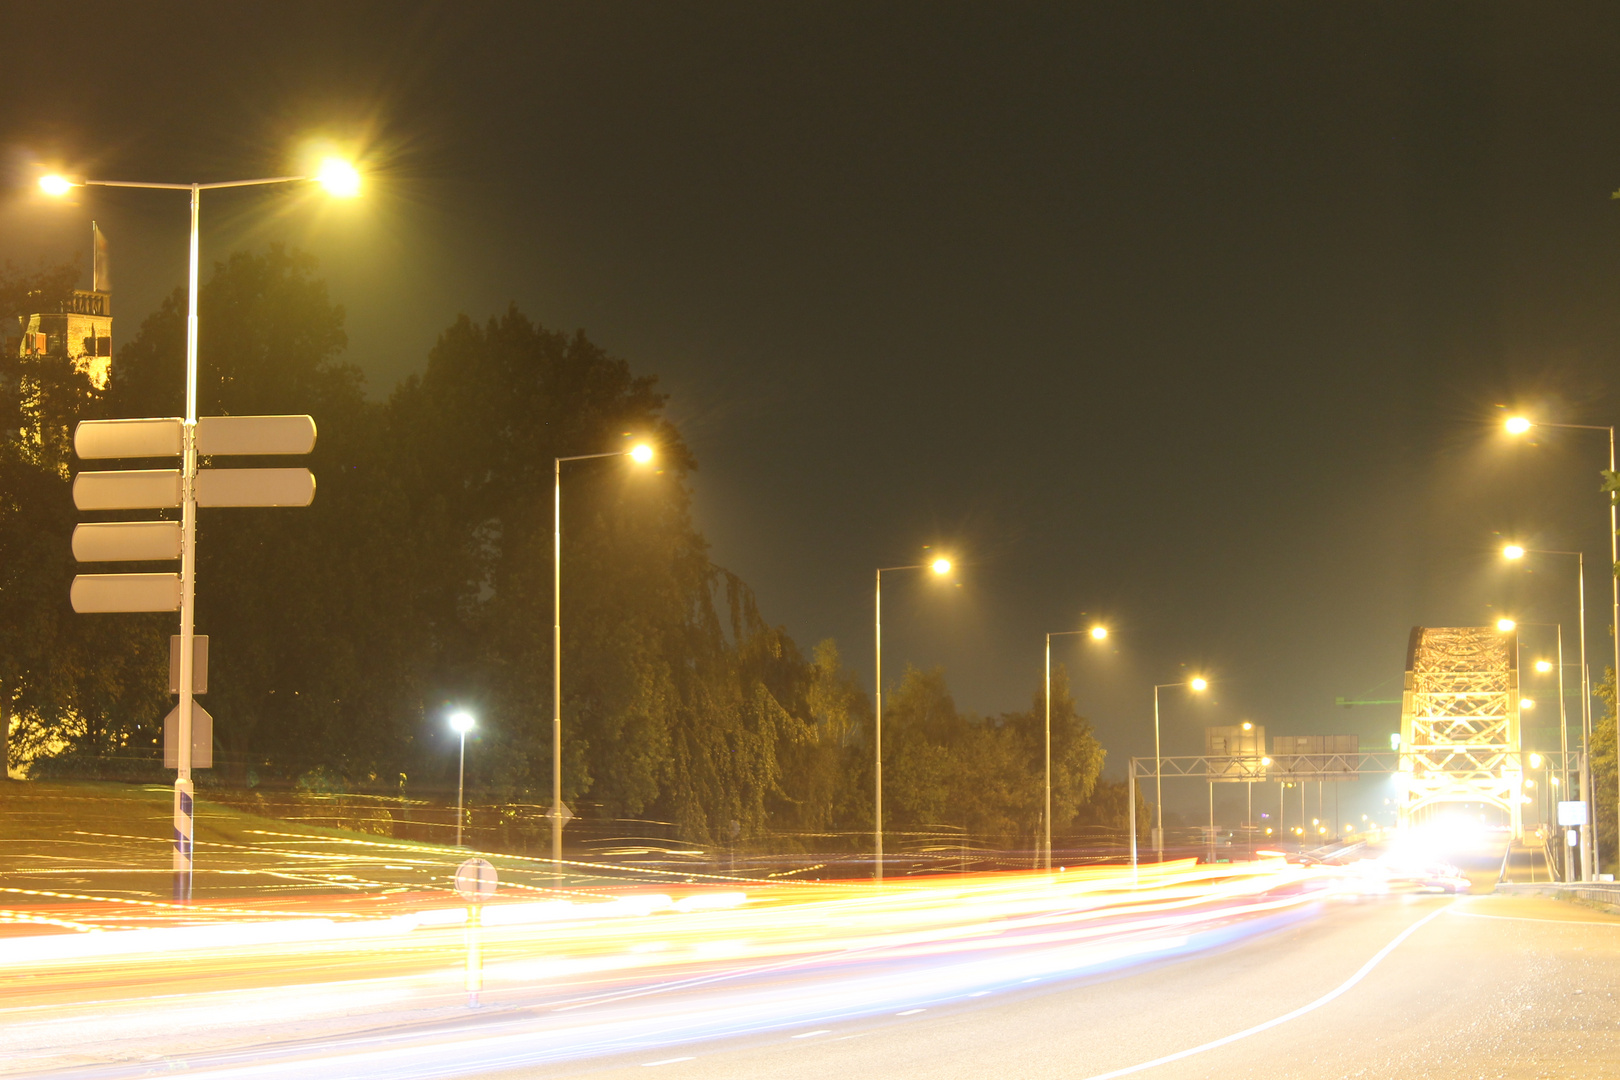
{"x": 1589, "y": 835}
{"x": 340, "y": 179}
{"x": 941, "y": 567}
{"x": 641, "y": 454}
{"x": 1096, "y": 633}
{"x": 461, "y": 722}
{"x": 1197, "y": 684}
{"x": 1518, "y": 425}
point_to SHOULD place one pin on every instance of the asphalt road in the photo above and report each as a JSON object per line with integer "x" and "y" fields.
{"x": 1489, "y": 987}
{"x": 1470, "y": 987}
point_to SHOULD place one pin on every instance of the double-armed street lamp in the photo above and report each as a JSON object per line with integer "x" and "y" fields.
{"x": 641, "y": 454}
{"x": 940, "y": 567}
{"x": 1096, "y": 633}
{"x": 1197, "y": 684}
{"x": 1519, "y": 425}
{"x": 461, "y": 722}
{"x": 1515, "y": 552}
{"x": 342, "y": 180}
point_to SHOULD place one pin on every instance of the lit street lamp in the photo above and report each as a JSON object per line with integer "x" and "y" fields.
{"x": 941, "y": 567}
{"x": 461, "y": 722}
{"x": 341, "y": 180}
{"x": 1096, "y": 633}
{"x": 1588, "y": 836}
{"x": 1518, "y": 425}
{"x": 1197, "y": 684}
{"x": 641, "y": 454}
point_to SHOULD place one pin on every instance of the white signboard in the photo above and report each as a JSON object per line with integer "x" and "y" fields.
{"x": 133, "y": 489}
{"x": 255, "y": 487}
{"x": 202, "y": 738}
{"x": 119, "y": 541}
{"x": 128, "y": 438}
{"x": 1571, "y": 813}
{"x": 475, "y": 880}
{"x": 125, "y": 592}
{"x": 255, "y": 434}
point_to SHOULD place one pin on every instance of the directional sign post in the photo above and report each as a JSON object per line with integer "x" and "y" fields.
{"x": 475, "y": 881}
{"x": 187, "y": 731}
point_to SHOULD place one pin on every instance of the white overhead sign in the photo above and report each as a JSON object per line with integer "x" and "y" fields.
{"x": 255, "y": 434}
{"x": 128, "y": 438}
{"x": 125, "y": 592}
{"x": 133, "y": 489}
{"x": 125, "y": 541}
{"x": 1571, "y": 813}
{"x": 255, "y": 487}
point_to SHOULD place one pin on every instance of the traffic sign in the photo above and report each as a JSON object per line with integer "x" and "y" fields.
{"x": 199, "y": 663}
{"x": 255, "y": 434}
{"x": 125, "y": 592}
{"x": 255, "y": 487}
{"x": 133, "y": 489}
{"x": 128, "y": 438}
{"x": 202, "y": 738}
{"x": 567, "y": 814}
{"x": 1572, "y": 813}
{"x": 116, "y": 541}
{"x": 475, "y": 880}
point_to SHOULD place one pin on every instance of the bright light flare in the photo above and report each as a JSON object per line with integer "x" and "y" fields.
{"x": 1527, "y": 703}
{"x": 641, "y": 454}
{"x": 1535, "y": 761}
{"x": 1544, "y": 666}
{"x": 55, "y": 186}
{"x": 1517, "y": 425}
{"x": 940, "y": 566}
{"x": 1099, "y": 633}
{"x": 462, "y": 722}
{"x": 1513, "y": 551}
{"x": 339, "y": 178}
{"x": 1199, "y": 683}
{"x": 1505, "y": 625}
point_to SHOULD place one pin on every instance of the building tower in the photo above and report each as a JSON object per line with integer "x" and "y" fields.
{"x": 81, "y": 324}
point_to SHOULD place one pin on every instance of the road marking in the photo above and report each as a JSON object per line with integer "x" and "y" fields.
{"x": 666, "y": 1061}
{"x": 911, "y": 1012}
{"x": 810, "y": 1034}
{"x": 1378, "y": 958}
{"x": 1528, "y": 918}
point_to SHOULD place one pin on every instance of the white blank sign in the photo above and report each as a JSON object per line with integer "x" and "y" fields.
{"x": 127, "y": 438}
{"x": 255, "y": 487}
{"x": 133, "y": 489}
{"x": 255, "y": 434}
{"x": 125, "y": 592}
{"x": 124, "y": 541}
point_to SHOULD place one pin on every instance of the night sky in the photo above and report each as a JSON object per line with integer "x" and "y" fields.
{"x": 1195, "y": 318}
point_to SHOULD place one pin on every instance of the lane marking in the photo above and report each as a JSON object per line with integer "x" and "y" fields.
{"x": 666, "y": 1061}
{"x": 1283, "y": 1019}
{"x": 810, "y": 1034}
{"x": 910, "y": 1012}
{"x": 1528, "y": 918}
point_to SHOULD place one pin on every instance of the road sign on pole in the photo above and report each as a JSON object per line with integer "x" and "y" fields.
{"x": 199, "y": 663}
{"x": 255, "y": 487}
{"x": 475, "y": 880}
{"x": 255, "y": 435}
{"x": 129, "y": 438}
{"x": 202, "y": 738}
{"x": 92, "y": 593}
{"x": 133, "y": 489}
{"x": 126, "y": 541}
{"x": 1572, "y": 813}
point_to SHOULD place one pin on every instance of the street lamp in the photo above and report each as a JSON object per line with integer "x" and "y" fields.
{"x": 1096, "y": 633}
{"x": 1514, "y": 551}
{"x": 57, "y": 186}
{"x": 641, "y": 454}
{"x": 940, "y": 566}
{"x": 461, "y": 722}
{"x": 1197, "y": 684}
{"x": 1518, "y": 425}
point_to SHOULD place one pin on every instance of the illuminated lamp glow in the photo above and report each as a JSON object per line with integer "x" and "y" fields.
{"x": 55, "y": 186}
{"x": 1517, "y": 425}
{"x": 339, "y": 178}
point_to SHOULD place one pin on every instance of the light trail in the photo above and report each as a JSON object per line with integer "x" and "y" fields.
{"x": 375, "y": 986}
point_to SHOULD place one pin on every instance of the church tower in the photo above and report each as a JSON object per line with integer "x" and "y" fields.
{"x": 80, "y": 325}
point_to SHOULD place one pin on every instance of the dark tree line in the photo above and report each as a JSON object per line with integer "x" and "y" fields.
{"x": 420, "y": 580}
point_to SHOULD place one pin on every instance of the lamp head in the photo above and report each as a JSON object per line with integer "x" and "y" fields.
{"x": 1544, "y": 666}
{"x": 1535, "y": 761}
{"x": 1513, "y": 551}
{"x": 1527, "y": 703}
{"x": 339, "y": 178}
{"x": 461, "y": 721}
{"x": 1247, "y": 726}
{"x": 55, "y": 186}
{"x": 641, "y": 453}
{"x": 1199, "y": 683}
{"x": 1099, "y": 633}
{"x": 1505, "y": 625}
{"x": 941, "y": 566}
{"x": 1517, "y": 425}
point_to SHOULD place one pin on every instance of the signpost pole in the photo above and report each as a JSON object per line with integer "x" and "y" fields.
{"x": 184, "y": 830}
